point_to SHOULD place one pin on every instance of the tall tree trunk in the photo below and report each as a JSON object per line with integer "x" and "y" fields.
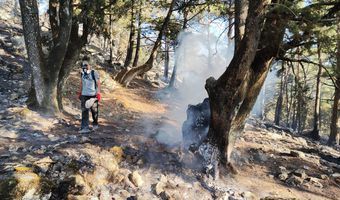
{"x": 132, "y": 73}
{"x": 174, "y": 70}
{"x": 71, "y": 57}
{"x": 166, "y": 60}
{"x": 233, "y": 95}
{"x": 45, "y": 74}
{"x": 316, "y": 121}
{"x": 230, "y": 16}
{"x": 227, "y": 92}
{"x": 139, "y": 34}
{"x": 110, "y": 39}
{"x": 279, "y": 103}
{"x": 129, "y": 51}
{"x": 334, "y": 137}
{"x": 241, "y": 7}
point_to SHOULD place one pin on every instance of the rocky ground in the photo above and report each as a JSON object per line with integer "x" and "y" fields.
{"x": 44, "y": 157}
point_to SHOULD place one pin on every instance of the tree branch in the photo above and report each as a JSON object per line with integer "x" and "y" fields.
{"x": 310, "y": 62}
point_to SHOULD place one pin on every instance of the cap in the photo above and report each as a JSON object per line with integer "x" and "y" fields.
{"x": 84, "y": 64}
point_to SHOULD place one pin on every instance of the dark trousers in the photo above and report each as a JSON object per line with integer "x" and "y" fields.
{"x": 85, "y": 112}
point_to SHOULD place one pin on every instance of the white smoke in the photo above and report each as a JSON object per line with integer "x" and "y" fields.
{"x": 198, "y": 56}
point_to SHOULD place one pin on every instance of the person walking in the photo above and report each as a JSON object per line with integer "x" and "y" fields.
{"x": 89, "y": 96}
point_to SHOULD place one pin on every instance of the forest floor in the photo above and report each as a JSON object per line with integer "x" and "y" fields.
{"x": 44, "y": 157}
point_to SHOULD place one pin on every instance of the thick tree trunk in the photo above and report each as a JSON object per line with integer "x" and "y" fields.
{"x": 233, "y": 95}
{"x": 129, "y": 51}
{"x": 334, "y": 137}
{"x": 316, "y": 121}
{"x": 132, "y": 73}
{"x": 45, "y": 74}
{"x": 227, "y": 93}
{"x": 241, "y": 7}
{"x": 31, "y": 29}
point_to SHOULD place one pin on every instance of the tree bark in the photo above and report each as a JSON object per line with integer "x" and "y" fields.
{"x": 166, "y": 60}
{"x": 241, "y": 7}
{"x": 139, "y": 33}
{"x": 334, "y": 137}
{"x": 129, "y": 51}
{"x": 45, "y": 74}
{"x": 132, "y": 73}
{"x": 316, "y": 121}
{"x": 72, "y": 56}
{"x": 227, "y": 92}
{"x": 279, "y": 103}
{"x": 233, "y": 95}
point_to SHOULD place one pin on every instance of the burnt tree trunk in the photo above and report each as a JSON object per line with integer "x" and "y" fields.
{"x": 334, "y": 137}
{"x": 132, "y": 73}
{"x": 129, "y": 51}
{"x": 228, "y": 91}
{"x": 46, "y": 72}
{"x": 233, "y": 95}
{"x": 316, "y": 121}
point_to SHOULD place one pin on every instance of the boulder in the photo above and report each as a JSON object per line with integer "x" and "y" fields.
{"x": 136, "y": 179}
{"x": 300, "y": 173}
{"x": 249, "y": 195}
{"x": 298, "y": 154}
{"x": 294, "y": 180}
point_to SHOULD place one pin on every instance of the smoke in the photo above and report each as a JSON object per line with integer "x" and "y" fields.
{"x": 198, "y": 56}
{"x": 267, "y": 93}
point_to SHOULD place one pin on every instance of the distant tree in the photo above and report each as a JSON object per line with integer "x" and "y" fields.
{"x": 130, "y": 74}
{"x": 334, "y": 137}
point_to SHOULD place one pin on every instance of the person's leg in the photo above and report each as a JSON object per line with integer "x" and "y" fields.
{"x": 95, "y": 113}
{"x": 84, "y": 114}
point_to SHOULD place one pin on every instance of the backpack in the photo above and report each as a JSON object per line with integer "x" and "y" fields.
{"x": 93, "y": 77}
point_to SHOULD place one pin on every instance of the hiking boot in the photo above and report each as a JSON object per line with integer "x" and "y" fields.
{"x": 95, "y": 127}
{"x": 84, "y": 130}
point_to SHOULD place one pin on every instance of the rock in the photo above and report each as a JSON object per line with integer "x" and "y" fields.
{"x": 283, "y": 176}
{"x": 315, "y": 182}
{"x": 223, "y": 196}
{"x": 117, "y": 152}
{"x": 166, "y": 196}
{"x": 301, "y": 140}
{"x": 294, "y": 180}
{"x": 159, "y": 188}
{"x": 249, "y": 196}
{"x": 261, "y": 156}
{"x": 335, "y": 175}
{"x": 283, "y": 170}
{"x": 136, "y": 179}
{"x": 80, "y": 185}
{"x": 323, "y": 176}
{"x": 300, "y": 173}
{"x": 298, "y": 154}
{"x": 124, "y": 194}
{"x": 27, "y": 181}
{"x": 14, "y": 96}
{"x": 44, "y": 163}
{"x": 77, "y": 197}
